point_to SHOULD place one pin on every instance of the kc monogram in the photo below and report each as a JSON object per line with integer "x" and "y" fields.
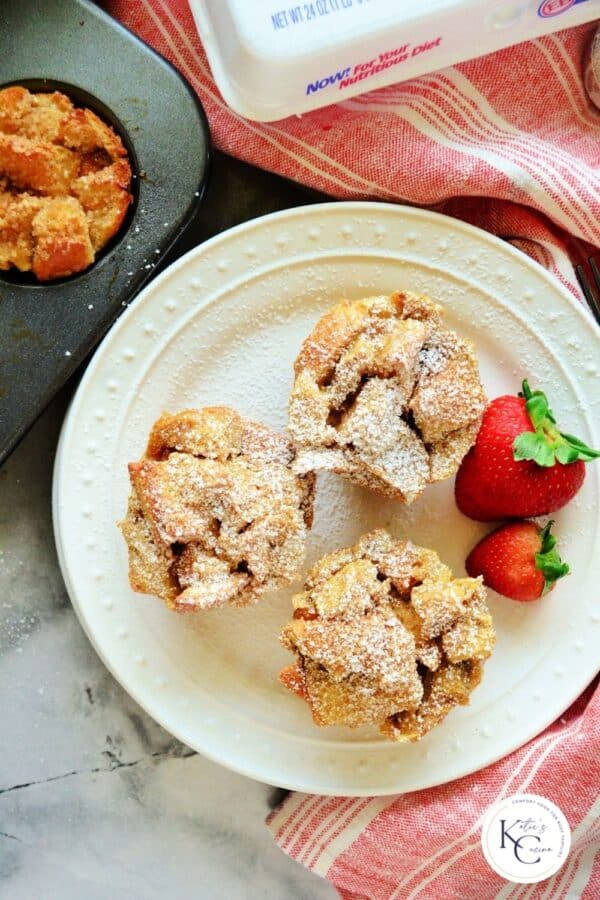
{"x": 525, "y": 838}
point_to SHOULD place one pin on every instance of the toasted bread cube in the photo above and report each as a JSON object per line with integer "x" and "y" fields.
{"x": 150, "y": 561}
{"x": 62, "y": 241}
{"x": 105, "y": 197}
{"x": 82, "y": 130}
{"x": 42, "y": 167}
{"x": 16, "y": 238}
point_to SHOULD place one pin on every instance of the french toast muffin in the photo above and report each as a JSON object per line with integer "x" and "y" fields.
{"x": 385, "y": 635}
{"x": 216, "y": 515}
{"x": 64, "y": 183}
{"x": 386, "y": 395}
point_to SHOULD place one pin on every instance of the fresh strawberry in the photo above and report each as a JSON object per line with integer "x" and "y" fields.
{"x": 521, "y": 465}
{"x": 518, "y": 560}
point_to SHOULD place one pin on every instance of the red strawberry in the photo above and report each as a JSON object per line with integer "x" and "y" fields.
{"x": 521, "y": 465}
{"x": 517, "y": 560}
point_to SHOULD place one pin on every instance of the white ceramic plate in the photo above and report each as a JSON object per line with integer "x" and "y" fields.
{"x": 222, "y": 326}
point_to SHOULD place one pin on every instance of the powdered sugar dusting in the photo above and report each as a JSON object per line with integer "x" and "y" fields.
{"x": 385, "y": 395}
{"x": 384, "y": 634}
{"x": 216, "y": 516}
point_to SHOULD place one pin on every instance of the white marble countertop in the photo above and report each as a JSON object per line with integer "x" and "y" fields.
{"x": 96, "y": 800}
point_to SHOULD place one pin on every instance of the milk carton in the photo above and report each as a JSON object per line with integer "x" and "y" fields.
{"x": 275, "y": 58}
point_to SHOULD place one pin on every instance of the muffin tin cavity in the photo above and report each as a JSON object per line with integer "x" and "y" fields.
{"x": 82, "y": 99}
{"x": 48, "y": 328}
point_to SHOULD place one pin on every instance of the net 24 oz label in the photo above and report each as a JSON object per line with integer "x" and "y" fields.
{"x": 525, "y": 838}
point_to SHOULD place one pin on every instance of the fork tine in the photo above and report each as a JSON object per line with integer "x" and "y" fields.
{"x": 587, "y": 289}
{"x": 595, "y": 267}
{"x": 595, "y": 270}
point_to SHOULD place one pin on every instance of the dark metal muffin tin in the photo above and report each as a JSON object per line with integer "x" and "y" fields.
{"x": 46, "y": 330}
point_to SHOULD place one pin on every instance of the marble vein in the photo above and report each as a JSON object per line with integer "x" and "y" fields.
{"x": 115, "y": 763}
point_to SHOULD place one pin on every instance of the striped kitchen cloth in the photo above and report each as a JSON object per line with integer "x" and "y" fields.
{"x": 510, "y": 143}
{"x": 426, "y": 844}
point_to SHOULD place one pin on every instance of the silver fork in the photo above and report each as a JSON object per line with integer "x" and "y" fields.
{"x": 591, "y": 285}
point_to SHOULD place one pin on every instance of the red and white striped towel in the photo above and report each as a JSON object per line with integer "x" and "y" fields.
{"x": 426, "y": 844}
{"x": 510, "y": 143}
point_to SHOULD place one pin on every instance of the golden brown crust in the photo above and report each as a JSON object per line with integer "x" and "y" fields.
{"x": 383, "y": 634}
{"x": 61, "y": 239}
{"x": 213, "y": 432}
{"x": 35, "y": 116}
{"x": 385, "y": 395}
{"x": 83, "y": 131}
{"x": 150, "y": 562}
{"x": 64, "y": 184}
{"x": 104, "y": 197}
{"x": 42, "y": 168}
{"x": 16, "y": 225}
{"x": 216, "y": 515}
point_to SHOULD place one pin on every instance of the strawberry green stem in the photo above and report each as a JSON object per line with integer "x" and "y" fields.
{"x": 548, "y": 561}
{"x": 546, "y": 445}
